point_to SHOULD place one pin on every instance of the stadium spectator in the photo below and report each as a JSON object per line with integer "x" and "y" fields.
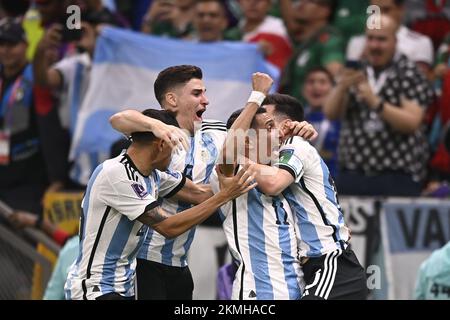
{"x": 268, "y": 31}
{"x": 210, "y": 21}
{"x": 66, "y": 257}
{"x": 169, "y": 18}
{"x": 382, "y": 147}
{"x": 317, "y": 86}
{"x": 415, "y": 46}
{"x": 317, "y": 42}
{"x": 123, "y": 192}
{"x": 350, "y": 17}
{"x": 68, "y": 78}
{"x": 433, "y": 278}
{"x": 428, "y": 17}
{"x": 22, "y": 171}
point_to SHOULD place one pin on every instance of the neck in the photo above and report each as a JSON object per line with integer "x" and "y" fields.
{"x": 10, "y": 71}
{"x": 142, "y": 159}
{"x": 186, "y": 126}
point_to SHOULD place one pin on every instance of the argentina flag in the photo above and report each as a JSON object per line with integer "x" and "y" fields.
{"x": 125, "y": 67}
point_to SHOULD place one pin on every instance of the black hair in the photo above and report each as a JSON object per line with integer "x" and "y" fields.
{"x": 320, "y": 69}
{"x": 15, "y": 8}
{"x": 221, "y": 3}
{"x": 236, "y": 114}
{"x": 161, "y": 115}
{"x": 285, "y": 106}
{"x": 174, "y": 76}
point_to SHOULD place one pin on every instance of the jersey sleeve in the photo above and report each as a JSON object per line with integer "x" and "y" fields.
{"x": 292, "y": 158}
{"x": 170, "y": 182}
{"x": 128, "y": 197}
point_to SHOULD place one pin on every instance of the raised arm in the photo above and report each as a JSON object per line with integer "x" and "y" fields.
{"x": 171, "y": 226}
{"x": 46, "y": 55}
{"x": 261, "y": 84}
{"x": 129, "y": 121}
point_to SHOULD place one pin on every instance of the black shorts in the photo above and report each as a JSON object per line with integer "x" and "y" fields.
{"x": 333, "y": 276}
{"x": 113, "y": 296}
{"x": 156, "y": 281}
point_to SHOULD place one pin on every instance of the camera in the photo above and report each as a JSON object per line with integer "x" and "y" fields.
{"x": 354, "y": 64}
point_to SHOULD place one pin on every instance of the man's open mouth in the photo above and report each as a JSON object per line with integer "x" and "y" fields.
{"x": 199, "y": 113}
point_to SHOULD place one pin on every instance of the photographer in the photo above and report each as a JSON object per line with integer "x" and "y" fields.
{"x": 69, "y": 80}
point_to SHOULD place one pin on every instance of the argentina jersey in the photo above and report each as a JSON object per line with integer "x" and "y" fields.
{"x": 313, "y": 199}
{"x": 110, "y": 236}
{"x": 197, "y": 164}
{"x": 261, "y": 235}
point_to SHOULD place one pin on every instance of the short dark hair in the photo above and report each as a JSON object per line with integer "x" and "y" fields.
{"x": 237, "y": 113}
{"x": 161, "y": 115}
{"x": 221, "y": 3}
{"x": 285, "y": 106}
{"x": 174, "y": 76}
{"x": 320, "y": 69}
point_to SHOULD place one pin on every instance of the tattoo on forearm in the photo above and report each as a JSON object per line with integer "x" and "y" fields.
{"x": 156, "y": 215}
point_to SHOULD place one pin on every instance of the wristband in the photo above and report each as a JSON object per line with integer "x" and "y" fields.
{"x": 256, "y": 97}
{"x": 39, "y": 220}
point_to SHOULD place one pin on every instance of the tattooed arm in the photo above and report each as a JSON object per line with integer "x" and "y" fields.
{"x": 171, "y": 226}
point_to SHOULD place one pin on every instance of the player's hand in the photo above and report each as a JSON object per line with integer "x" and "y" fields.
{"x": 173, "y": 136}
{"x": 261, "y": 82}
{"x": 239, "y": 184}
{"x": 302, "y": 129}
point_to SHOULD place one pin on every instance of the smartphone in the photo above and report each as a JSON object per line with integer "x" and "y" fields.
{"x": 69, "y": 35}
{"x": 354, "y": 64}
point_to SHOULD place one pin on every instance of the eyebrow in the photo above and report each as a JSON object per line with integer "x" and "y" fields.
{"x": 198, "y": 90}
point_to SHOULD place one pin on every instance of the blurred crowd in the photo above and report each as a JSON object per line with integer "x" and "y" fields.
{"x": 378, "y": 96}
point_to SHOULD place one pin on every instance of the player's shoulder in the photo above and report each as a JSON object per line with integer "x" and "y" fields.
{"x": 213, "y": 125}
{"x": 119, "y": 168}
{"x": 296, "y": 141}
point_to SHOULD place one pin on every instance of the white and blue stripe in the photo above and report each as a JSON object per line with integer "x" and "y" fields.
{"x": 197, "y": 164}
{"x": 261, "y": 234}
{"x": 312, "y": 198}
{"x": 110, "y": 234}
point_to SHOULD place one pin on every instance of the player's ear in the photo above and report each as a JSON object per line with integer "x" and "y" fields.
{"x": 171, "y": 101}
{"x": 286, "y": 126}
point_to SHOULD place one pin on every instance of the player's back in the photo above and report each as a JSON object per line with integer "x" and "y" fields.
{"x": 197, "y": 163}
{"x": 110, "y": 235}
{"x": 261, "y": 235}
{"x": 313, "y": 199}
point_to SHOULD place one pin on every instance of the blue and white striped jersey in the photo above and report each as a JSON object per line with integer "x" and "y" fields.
{"x": 313, "y": 199}
{"x": 110, "y": 235}
{"x": 197, "y": 164}
{"x": 262, "y": 238}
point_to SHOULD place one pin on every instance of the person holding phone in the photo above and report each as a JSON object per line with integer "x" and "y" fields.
{"x": 69, "y": 78}
{"x": 382, "y": 146}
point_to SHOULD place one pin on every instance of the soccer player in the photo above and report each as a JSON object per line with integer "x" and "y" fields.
{"x": 121, "y": 201}
{"x": 163, "y": 262}
{"x": 260, "y": 229}
{"x": 331, "y": 270}
{"x": 162, "y": 268}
